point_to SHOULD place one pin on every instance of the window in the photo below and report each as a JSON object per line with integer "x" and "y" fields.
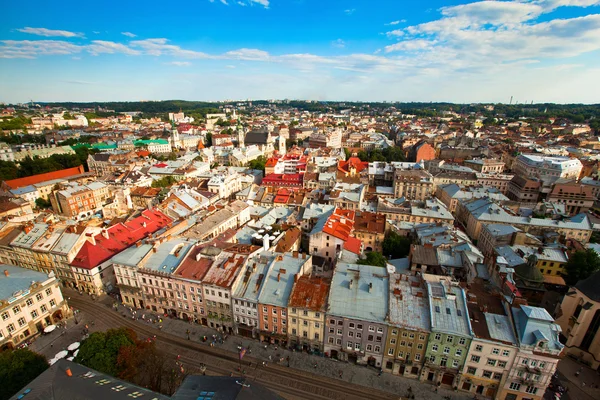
{"x": 487, "y": 374}
{"x": 475, "y": 358}
{"x": 264, "y": 309}
{"x": 29, "y": 302}
{"x": 400, "y": 354}
{"x": 542, "y": 365}
{"x": 43, "y": 308}
{"x": 317, "y": 315}
{"x": 421, "y": 337}
{"x": 349, "y": 345}
{"x": 369, "y": 347}
{"x": 330, "y": 340}
{"x": 351, "y": 325}
{"x": 497, "y": 376}
{"x": 394, "y": 332}
{"x": 502, "y": 364}
{"x": 48, "y": 291}
{"x": 454, "y": 363}
{"x": 505, "y": 353}
{"x": 371, "y": 328}
{"x": 446, "y": 350}
{"x": 392, "y": 341}
{"x": 491, "y": 362}
{"x": 317, "y": 325}
{"x": 359, "y": 326}
{"x": 332, "y": 321}
{"x": 339, "y": 331}
{"x": 379, "y": 330}
{"x": 357, "y": 346}
{"x": 438, "y": 336}
{"x": 350, "y": 334}
{"x": 525, "y": 361}
{"x": 21, "y": 321}
{"x": 10, "y": 328}
{"x": 16, "y": 310}
{"x": 39, "y": 296}
{"x": 471, "y": 370}
{"x": 531, "y": 389}
{"x": 449, "y": 338}
{"x": 34, "y": 314}
{"x": 432, "y": 359}
{"x": 377, "y": 349}
{"x": 443, "y": 361}
{"x": 403, "y": 343}
{"x": 478, "y": 347}
{"x": 462, "y": 341}
{"x": 458, "y": 353}
{"x": 420, "y": 346}
{"x": 417, "y": 357}
{"x": 358, "y": 335}
{"x": 434, "y": 347}
{"x": 495, "y": 351}
{"x": 274, "y": 311}
{"x": 338, "y": 341}
{"x": 5, "y": 316}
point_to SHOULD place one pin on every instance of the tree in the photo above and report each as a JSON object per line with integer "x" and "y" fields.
{"x": 258, "y": 163}
{"x": 373, "y": 258}
{"x": 17, "y": 369}
{"x": 42, "y": 203}
{"x": 395, "y": 245}
{"x": 208, "y": 139}
{"x": 581, "y": 265}
{"x": 8, "y": 170}
{"x": 100, "y": 350}
{"x": 167, "y": 181}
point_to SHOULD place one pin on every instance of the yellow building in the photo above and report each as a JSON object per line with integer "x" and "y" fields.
{"x": 306, "y": 313}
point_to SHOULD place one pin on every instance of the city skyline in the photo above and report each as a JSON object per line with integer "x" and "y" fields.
{"x": 484, "y": 51}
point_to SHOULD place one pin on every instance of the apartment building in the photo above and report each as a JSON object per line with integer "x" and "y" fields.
{"x": 330, "y": 234}
{"x": 547, "y": 168}
{"x": 370, "y": 229}
{"x": 409, "y": 326}
{"x": 430, "y": 210}
{"x": 451, "y": 331}
{"x": 413, "y": 184}
{"x": 273, "y": 300}
{"x": 575, "y": 197}
{"x": 356, "y": 327}
{"x": 29, "y": 302}
{"x": 306, "y": 313}
{"x": 485, "y": 165}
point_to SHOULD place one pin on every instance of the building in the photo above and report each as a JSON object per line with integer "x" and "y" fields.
{"x": 451, "y": 194}
{"x": 306, "y": 313}
{"x": 273, "y": 300}
{"x": 550, "y": 261}
{"x": 494, "y": 345}
{"x": 245, "y": 296}
{"x": 476, "y": 213}
{"x": 328, "y": 237}
{"x": 234, "y": 215}
{"x": 486, "y": 165}
{"x": 29, "y": 302}
{"x": 498, "y": 181}
{"x": 413, "y": 184}
{"x": 421, "y": 151}
{"x": 63, "y": 174}
{"x": 547, "y": 169}
{"x": 539, "y": 351}
{"x": 370, "y": 228}
{"x": 451, "y": 331}
{"x": 431, "y": 210}
{"x": 92, "y": 267}
{"x": 356, "y": 327}
{"x": 409, "y": 326}
{"x": 580, "y": 321}
{"x": 523, "y": 190}
{"x": 576, "y": 198}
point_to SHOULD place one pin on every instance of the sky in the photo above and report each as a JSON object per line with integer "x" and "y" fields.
{"x": 350, "y": 50}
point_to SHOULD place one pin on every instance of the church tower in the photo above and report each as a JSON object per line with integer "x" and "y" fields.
{"x": 175, "y": 143}
{"x": 241, "y": 135}
{"x": 282, "y": 149}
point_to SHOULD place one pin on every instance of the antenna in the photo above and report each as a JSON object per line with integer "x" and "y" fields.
{"x": 511, "y": 98}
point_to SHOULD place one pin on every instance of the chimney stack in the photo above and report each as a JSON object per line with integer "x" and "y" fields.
{"x": 68, "y": 372}
{"x": 350, "y": 284}
{"x": 6, "y": 273}
{"x": 278, "y": 276}
{"x": 370, "y": 287}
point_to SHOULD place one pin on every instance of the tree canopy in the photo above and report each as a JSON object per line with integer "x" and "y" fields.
{"x": 17, "y": 369}
{"x": 373, "y": 258}
{"x": 100, "y": 350}
{"x": 259, "y": 163}
{"x": 388, "y": 154}
{"x": 581, "y": 265}
{"x": 166, "y": 181}
{"x": 395, "y": 245}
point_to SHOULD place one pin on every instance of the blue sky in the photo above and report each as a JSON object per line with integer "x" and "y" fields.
{"x": 481, "y": 51}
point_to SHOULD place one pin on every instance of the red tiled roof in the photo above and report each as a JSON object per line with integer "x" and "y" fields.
{"x": 355, "y": 162}
{"x": 119, "y": 237}
{"x": 353, "y": 245}
{"x": 283, "y": 179}
{"x": 309, "y": 293}
{"x": 48, "y": 176}
{"x": 340, "y": 224}
{"x": 271, "y": 162}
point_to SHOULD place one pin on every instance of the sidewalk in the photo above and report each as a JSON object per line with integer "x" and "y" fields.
{"x": 588, "y": 380}
{"x": 331, "y": 368}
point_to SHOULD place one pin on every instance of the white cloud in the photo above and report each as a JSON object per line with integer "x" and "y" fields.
{"x": 339, "y": 43}
{"x": 396, "y": 22}
{"x": 350, "y": 11}
{"x": 242, "y": 3}
{"x": 264, "y": 3}
{"x": 129, "y": 34}
{"x": 224, "y": 2}
{"x": 102, "y": 46}
{"x": 159, "y": 46}
{"x": 180, "y": 63}
{"x": 49, "y": 32}
{"x": 35, "y": 48}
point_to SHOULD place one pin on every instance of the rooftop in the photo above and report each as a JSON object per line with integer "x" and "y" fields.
{"x": 18, "y": 280}
{"x": 30, "y": 180}
{"x": 359, "y": 292}
{"x": 408, "y": 306}
{"x": 447, "y": 306}
{"x": 279, "y": 280}
{"x": 310, "y": 293}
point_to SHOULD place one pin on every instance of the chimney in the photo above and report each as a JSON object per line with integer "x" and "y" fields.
{"x": 350, "y": 284}
{"x": 144, "y": 224}
{"x": 278, "y": 276}
{"x": 296, "y": 278}
{"x": 68, "y": 372}
{"x": 27, "y": 228}
{"x": 6, "y": 273}
{"x": 295, "y": 253}
{"x": 91, "y": 238}
{"x": 105, "y": 233}
{"x": 154, "y": 250}
{"x": 370, "y": 287}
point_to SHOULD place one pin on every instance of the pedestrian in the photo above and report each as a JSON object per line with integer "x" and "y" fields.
{"x": 270, "y": 358}
{"x": 341, "y": 373}
{"x": 315, "y": 365}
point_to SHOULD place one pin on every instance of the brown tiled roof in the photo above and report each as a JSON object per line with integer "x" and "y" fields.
{"x": 48, "y": 176}
{"x": 310, "y": 293}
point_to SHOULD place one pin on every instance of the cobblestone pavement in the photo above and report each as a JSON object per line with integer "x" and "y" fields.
{"x": 585, "y": 386}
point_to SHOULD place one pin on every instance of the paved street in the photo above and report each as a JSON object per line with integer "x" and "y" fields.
{"x": 50, "y": 344}
{"x": 582, "y": 387}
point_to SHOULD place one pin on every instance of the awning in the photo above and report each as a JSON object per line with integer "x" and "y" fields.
{"x": 49, "y": 328}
